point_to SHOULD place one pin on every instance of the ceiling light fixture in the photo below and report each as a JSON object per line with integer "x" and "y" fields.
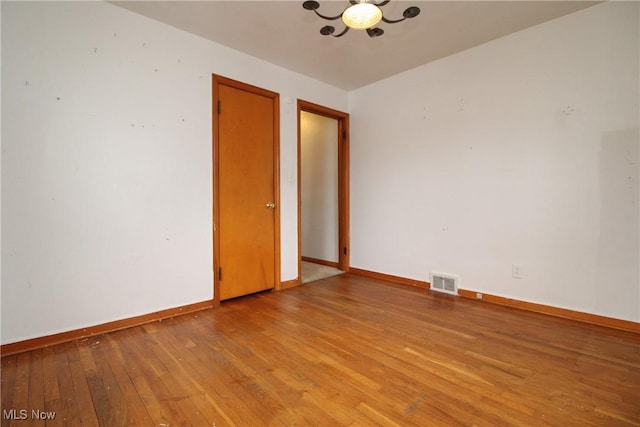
{"x": 360, "y": 15}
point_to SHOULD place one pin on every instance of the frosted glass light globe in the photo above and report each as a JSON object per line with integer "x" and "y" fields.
{"x": 362, "y": 16}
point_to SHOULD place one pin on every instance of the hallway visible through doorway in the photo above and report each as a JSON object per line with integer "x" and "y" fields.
{"x": 312, "y": 272}
{"x": 323, "y": 191}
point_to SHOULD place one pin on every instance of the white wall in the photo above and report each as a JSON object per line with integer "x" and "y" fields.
{"x": 523, "y": 150}
{"x": 106, "y": 163}
{"x": 319, "y": 186}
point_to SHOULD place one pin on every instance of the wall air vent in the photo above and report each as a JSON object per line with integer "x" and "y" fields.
{"x": 441, "y": 282}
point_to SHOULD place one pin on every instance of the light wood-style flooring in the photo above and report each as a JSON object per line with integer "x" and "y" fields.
{"x": 343, "y": 351}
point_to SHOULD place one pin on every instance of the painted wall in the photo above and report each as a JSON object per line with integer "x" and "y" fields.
{"x": 319, "y": 186}
{"x": 106, "y": 163}
{"x": 521, "y": 151}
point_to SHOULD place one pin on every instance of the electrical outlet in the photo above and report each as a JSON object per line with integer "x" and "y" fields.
{"x": 516, "y": 271}
{"x": 478, "y": 295}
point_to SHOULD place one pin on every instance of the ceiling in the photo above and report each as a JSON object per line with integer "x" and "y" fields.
{"x": 285, "y": 34}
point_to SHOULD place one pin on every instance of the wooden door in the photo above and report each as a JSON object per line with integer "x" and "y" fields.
{"x": 246, "y": 214}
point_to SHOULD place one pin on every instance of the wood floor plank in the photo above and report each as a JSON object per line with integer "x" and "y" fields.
{"x": 74, "y": 393}
{"x": 7, "y": 382}
{"x": 181, "y": 380}
{"x": 345, "y": 351}
{"x": 36, "y": 385}
{"x": 232, "y": 402}
{"x": 21, "y": 383}
{"x": 154, "y": 387}
{"x": 50, "y": 380}
{"x": 133, "y": 411}
{"x": 89, "y": 406}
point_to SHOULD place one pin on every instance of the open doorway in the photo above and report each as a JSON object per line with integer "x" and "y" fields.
{"x": 323, "y": 210}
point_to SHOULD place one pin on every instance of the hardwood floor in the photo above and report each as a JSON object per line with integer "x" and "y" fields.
{"x": 343, "y": 351}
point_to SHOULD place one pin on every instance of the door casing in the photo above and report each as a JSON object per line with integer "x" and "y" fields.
{"x": 343, "y": 181}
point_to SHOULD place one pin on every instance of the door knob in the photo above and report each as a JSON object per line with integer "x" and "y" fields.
{"x": 271, "y": 205}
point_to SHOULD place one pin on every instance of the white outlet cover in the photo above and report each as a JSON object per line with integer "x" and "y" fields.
{"x": 516, "y": 271}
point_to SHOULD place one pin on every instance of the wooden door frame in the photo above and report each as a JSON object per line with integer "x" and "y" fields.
{"x": 216, "y": 82}
{"x": 344, "y": 250}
